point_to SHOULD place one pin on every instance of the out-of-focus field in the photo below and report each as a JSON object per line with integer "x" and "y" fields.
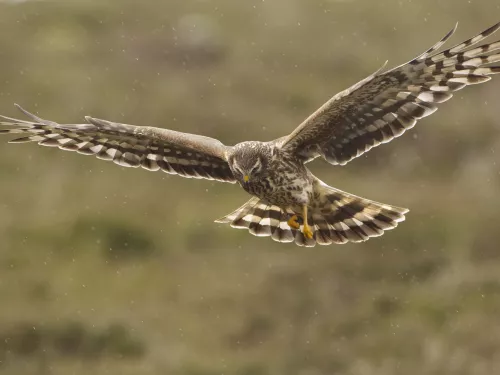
{"x": 109, "y": 270}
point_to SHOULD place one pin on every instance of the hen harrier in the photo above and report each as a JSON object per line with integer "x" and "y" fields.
{"x": 289, "y": 203}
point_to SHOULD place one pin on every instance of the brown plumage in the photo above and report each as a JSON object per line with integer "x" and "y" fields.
{"x": 289, "y": 203}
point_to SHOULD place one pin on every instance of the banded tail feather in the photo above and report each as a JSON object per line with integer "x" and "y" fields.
{"x": 340, "y": 218}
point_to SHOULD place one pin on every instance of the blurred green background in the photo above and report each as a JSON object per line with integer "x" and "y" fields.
{"x": 109, "y": 270}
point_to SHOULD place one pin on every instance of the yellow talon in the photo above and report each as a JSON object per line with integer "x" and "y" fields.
{"x": 293, "y": 222}
{"x": 307, "y": 231}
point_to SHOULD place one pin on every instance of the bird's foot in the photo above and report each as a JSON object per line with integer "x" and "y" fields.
{"x": 293, "y": 222}
{"x": 308, "y": 233}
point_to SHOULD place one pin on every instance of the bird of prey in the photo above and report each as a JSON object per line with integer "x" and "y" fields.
{"x": 289, "y": 203}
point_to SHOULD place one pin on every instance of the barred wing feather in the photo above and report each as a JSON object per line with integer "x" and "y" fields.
{"x": 188, "y": 155}
{"x": 384, "y": 105}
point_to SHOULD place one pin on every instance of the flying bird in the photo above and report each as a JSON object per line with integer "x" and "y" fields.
{"x": 289, "y": 203}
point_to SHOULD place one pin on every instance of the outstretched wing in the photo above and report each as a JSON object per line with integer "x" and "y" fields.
{"x": 384, "y": 105}
{"x": 188, "y": 155}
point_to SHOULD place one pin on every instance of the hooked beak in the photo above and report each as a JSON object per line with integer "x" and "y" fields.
{"x": 246, "y": 178}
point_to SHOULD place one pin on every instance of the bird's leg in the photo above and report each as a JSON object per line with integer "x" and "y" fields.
{"x": 307, "y": 229}
{"x": 293, "y": 222}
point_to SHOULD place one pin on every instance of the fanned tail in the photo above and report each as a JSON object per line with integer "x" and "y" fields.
{"x": 338, "y": 217}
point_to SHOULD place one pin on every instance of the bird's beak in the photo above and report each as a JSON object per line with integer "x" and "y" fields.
{"x": 246, "y": 178}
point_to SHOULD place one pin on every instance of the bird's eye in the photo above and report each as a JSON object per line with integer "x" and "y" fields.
{"x": 255, "y": 169}
{"x": 257, "y": 166}
{"x": 236, "y": 167}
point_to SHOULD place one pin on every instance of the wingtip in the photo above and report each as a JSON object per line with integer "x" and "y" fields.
{"x": 381, "y": 68}
{"x": 19, "y": 107}
{"x": 494, "y": 28}
{"x": 97, "y": 121}
{"x": 26, "y": 112}
{"x": 450, "y": 33}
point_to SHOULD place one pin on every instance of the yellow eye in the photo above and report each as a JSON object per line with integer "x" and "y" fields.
{"x": 246, "y": 178}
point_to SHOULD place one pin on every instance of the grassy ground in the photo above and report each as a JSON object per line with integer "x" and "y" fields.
{"x": 107, "y": 270}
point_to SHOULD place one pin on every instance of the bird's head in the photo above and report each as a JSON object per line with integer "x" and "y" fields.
{"x": 249, "y": 161}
